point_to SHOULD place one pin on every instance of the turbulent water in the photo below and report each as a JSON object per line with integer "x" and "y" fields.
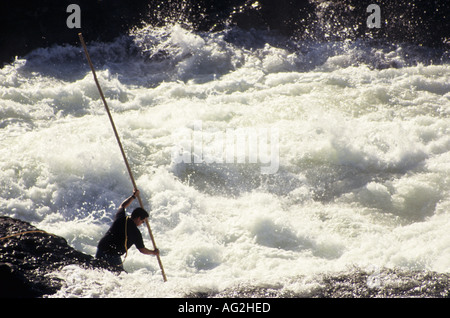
{"x": 263, "y": 161}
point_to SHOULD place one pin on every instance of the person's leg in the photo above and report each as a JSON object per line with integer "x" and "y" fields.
{"x": 114, "y": 260}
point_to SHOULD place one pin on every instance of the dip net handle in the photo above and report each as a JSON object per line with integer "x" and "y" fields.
{"x": 121, "y": 149}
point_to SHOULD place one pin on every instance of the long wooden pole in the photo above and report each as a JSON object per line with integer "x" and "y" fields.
{"x": 121, "y": 150}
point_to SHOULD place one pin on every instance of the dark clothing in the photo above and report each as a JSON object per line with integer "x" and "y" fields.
{"x": 113, "y": 242}
{"x": 111, "y": 259}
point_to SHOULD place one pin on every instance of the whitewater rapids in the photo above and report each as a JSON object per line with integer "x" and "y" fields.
{"x": 363, "y": 160}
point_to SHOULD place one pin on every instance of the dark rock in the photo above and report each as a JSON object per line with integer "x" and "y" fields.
{"x": 386, "y": 283}
{"x": 25, "y": 260}
{"x": 15, "y": 283}
{"x": 354, "y": 283}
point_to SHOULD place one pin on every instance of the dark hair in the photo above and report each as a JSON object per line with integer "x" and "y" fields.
{"x": 139, "y": 212}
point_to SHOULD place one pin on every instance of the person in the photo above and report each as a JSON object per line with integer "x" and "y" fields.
{"x": 118, "y": 239}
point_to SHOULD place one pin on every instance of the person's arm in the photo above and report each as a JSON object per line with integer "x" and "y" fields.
{"x": 146, "y": 251}
{"x": 130, "y": 199}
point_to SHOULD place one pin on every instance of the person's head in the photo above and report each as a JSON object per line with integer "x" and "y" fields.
{"x": 139, "y": 215}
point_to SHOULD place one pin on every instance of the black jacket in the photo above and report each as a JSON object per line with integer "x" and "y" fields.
{"x": 113, "y": 242}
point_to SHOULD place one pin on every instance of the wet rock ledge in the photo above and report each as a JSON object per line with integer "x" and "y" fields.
{"x": 26, "y": 259}
{"x": 354, "y": 283}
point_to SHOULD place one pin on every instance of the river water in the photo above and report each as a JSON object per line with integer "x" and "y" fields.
{"x": 262, "y": 160}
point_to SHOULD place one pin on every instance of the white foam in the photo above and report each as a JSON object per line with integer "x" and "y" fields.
{"x": 363, "y": 176}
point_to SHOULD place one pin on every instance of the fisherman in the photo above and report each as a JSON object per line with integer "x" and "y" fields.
{"x": 119, "y": 238}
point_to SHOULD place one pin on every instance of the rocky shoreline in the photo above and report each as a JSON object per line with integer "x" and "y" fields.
{"x": 26, "y": 260}
{"x": 355, "y": 283}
